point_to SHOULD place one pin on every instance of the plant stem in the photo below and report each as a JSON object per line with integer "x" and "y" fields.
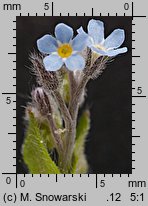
{"x": 64, "y": 110}
{"x": 74, "y": 105}
{"x": 89, "y": 72}
{"x": 70, "y": 131}
{"x": 72, "y": 83}
{"x": 57, "y": 139}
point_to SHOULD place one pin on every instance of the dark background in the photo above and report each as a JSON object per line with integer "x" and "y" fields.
{"x": 109, "y": 144}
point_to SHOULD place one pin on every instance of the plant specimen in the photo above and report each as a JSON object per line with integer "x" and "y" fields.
{"x": 55, "y": 137}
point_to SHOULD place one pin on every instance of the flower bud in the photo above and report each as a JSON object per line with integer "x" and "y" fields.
{"x": 48, "y": 80}
{"x": 41, "y": 101}
{"x": 97, "y": 68}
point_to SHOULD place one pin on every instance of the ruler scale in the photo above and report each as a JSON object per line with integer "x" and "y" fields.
{"x": 88, "y": 189}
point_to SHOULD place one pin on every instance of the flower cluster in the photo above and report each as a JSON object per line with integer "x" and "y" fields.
{"x": 63, "y": 49}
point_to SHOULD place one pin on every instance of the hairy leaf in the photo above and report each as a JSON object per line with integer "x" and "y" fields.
{"x": 35, "y": 153}
{"x": 79, "y": 163}
{"x": 46, "y": 135}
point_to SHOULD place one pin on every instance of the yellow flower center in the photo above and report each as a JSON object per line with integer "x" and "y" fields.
{"x": 65, "y": 50}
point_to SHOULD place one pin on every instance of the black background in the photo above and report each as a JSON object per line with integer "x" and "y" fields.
{"x": 109, "y": 98}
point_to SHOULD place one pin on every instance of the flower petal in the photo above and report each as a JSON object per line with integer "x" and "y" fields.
{"x": 63, "y": 33}
{"x": 115, "y": 39}
{"x": 115, "y": 52}
{"x": 98, "y": 51}
{"x": 75, "y": 62}
{"x": 79, "y": 42}
{"x": 47, "y": 44}
{"x": 109, "y": 53}
{"x": 96, "y": 30}
{"x": 90, "y": 40}
{"x": 52, "y": 62}
{"x": 81, "y": 30}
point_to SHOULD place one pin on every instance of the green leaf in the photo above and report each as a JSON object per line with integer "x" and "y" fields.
{"x": 79, "y": 162}
{"x": 81, "y": 165}
{"x": 46, "y": 135}
{"x": 35, "y": 153}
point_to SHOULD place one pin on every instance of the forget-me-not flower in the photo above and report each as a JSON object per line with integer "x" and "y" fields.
{"x": 63, "y": 49}
{"x": 100, "y": 45}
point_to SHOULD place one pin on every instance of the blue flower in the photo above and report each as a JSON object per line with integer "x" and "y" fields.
{"x": 100, "y": 45}
{"x": 63, "y": 49}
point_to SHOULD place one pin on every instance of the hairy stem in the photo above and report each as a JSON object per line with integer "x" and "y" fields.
{"x": 72, "y": 83}
{"x": 89, "y": 73}
{"x": 57, "y": 139}
{"x": 70, "y": 131}
{"x": 63, "y": 109}
{"x": 76, "y": 97}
